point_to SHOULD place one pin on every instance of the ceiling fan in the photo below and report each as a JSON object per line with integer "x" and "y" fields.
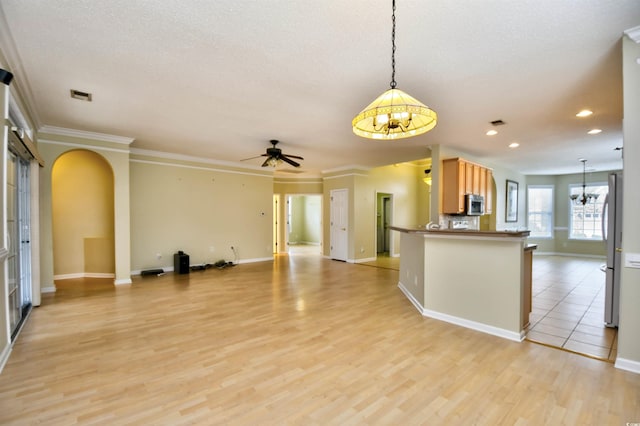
{"x": 274, "y": 156}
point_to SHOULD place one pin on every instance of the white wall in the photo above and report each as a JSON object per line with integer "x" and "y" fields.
{"x": 629, "y": 329}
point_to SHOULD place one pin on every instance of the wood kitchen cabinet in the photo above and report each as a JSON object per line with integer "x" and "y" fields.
{"x": 461, "y": 177}
{"x": 454, "y": 185}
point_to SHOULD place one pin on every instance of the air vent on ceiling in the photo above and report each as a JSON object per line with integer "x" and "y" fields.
{"x": 83, "y": 96}
{"x": 498, "y": 123}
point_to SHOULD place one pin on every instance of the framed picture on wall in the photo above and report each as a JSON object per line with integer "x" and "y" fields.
{"x": 511, "y": 206}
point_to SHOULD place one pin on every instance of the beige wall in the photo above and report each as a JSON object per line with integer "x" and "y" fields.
{"x": 82, "y": 214}
{"x": 297, "y": 186}
{"x": 486, "y": 299}
{"x": 629, "y": 330}
{"x": 306, "y": 219}
{"x": 402, "y": 181}
{"x": 470, "y": 290}
{"x": 312, "y": 219}
{"x": 199, "y": 209}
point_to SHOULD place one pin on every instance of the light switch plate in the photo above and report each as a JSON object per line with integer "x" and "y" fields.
{"x": 632, "y": 260}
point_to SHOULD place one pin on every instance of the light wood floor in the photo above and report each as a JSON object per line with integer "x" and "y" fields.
{"x": 302, "y": 340}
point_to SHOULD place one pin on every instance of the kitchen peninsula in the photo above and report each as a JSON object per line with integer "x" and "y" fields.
{"x": 475, "y": 279}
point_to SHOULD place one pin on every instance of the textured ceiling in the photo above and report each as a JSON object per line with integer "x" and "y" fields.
{"x": 218, "y": 79}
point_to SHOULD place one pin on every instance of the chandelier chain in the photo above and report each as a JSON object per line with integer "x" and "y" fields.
{"x": 393, "y": 45}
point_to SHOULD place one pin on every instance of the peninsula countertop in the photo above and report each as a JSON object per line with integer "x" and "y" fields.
{"x": 460, "y": 232}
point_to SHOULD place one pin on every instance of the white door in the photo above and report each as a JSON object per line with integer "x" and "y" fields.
{"x": 276, "y": 224}
{"x": 339, "y": 224}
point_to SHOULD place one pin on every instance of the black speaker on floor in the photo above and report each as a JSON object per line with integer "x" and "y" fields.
{"x": 180, "y": 263}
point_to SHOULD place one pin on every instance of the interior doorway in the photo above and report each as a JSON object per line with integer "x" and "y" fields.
{"x": 303, "y": 223}
{"x": 339, "y": 224}
{"x": 276, "y": 223}
{"x": 384, "y": 217}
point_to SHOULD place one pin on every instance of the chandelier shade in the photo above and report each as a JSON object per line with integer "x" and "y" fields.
{"x": 394, "y": 115}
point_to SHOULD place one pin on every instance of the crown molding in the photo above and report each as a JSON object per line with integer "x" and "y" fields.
{"x": 347, "y": 168}
{"x": 194, "y": 159}
{"x": 9, "y": 51}
{"x": 103, "y": 137}
{"x": 633, "y": 33}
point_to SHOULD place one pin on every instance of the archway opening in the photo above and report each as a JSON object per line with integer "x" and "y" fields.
{"x": 82, "y": 198}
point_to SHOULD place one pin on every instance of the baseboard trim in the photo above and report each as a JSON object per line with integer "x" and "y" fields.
{"x": 462, "y": 322}
{"x": 257, "y": 259}
{"x": 171, "y": 268}
{"x": 412, "y": 299}
{"x": 49, "y": 289}
{"x": 628, "y": 365}
{"x": 68, "y": 276}
{"x": 98, "y": 275}
{"x": 478, "y": 326}
{"x": 84, "y": 275}
{"x": 4, "y": 356}
{"x": 553, "y": 253}
{"x": 123, "y": 281}
{"x": 368, "y": 259}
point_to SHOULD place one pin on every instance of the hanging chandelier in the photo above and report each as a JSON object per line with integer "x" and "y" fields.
{"x": 584, "y": 198}
{"x": 394, "y": 114}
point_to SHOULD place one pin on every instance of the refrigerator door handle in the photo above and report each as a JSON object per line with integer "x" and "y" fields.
{"x": 605, "y": 208}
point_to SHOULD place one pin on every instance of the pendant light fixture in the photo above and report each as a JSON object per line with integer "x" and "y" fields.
{"x": 394, "y": 114}
{"x": 584, "y": 198}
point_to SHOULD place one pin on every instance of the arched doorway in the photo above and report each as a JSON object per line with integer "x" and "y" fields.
{"x": 82, "y": 202}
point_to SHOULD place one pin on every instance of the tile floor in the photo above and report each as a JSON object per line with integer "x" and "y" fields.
{"x": 568, "y": 306}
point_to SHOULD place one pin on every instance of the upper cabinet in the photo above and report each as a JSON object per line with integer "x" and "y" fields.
{"x": 461, "y": 177}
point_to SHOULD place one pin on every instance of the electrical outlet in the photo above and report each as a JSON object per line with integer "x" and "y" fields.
{"x": 159, "y": 255}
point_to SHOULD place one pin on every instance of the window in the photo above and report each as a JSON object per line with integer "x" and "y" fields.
{"x": 585, "y": 221}
{"x": 540, "y": 211}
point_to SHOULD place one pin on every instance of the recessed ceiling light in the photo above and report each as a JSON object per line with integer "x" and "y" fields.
{"x": 83, "y": 96}
{"x": 492, "y": 132}
{"x": 584, "y": 113}
{"x": 594, "y": 131}
{"x": 514, "y": 145}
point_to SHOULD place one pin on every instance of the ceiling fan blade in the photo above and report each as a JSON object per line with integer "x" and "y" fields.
{"x": 290, "y": 161}
{"x": 295, "y": 156}
{"x": 251, "y": 158}
{"x": 266, "y": 162}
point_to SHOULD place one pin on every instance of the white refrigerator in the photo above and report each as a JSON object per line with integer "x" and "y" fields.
{"x": 612, "y": 234}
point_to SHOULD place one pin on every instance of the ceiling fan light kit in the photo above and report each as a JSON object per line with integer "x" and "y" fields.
{"x": 394, "y": 114}
{"x": 275, "y": 156}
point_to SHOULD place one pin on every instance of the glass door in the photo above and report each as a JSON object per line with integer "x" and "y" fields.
{"x": 18, "y": 241}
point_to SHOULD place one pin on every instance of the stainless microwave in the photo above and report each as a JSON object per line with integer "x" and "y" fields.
{"x": 474, "y": 205}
